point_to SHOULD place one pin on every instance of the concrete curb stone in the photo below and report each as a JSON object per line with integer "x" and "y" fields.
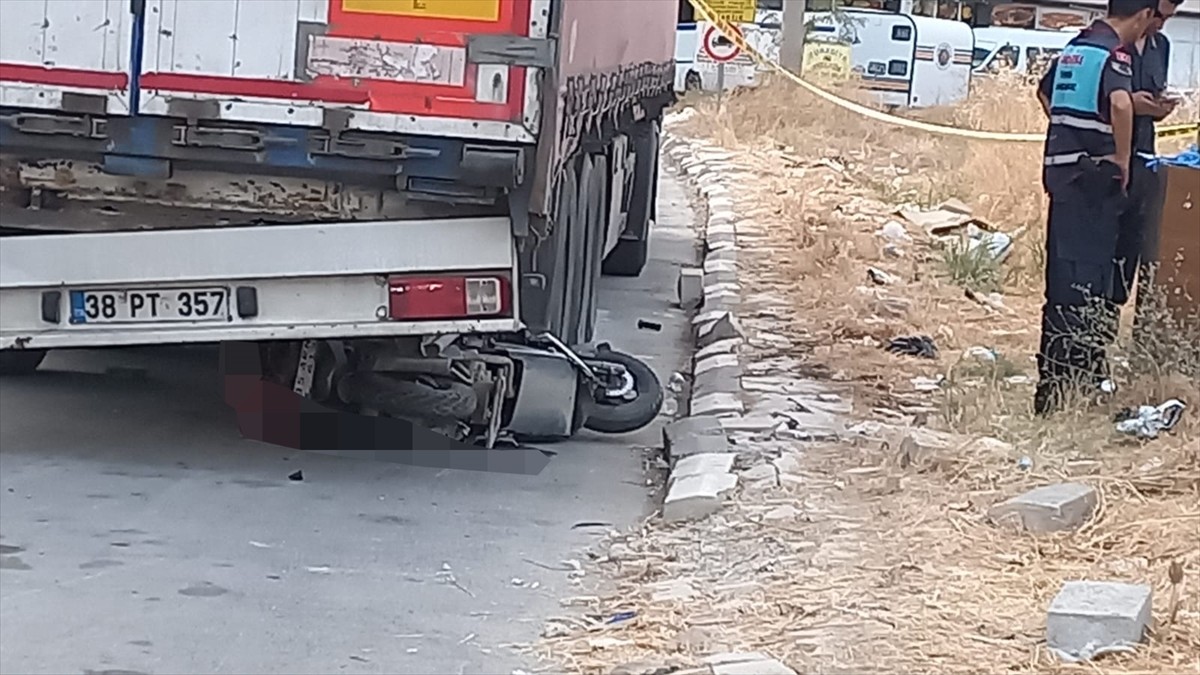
{"x": 697, "y": 485}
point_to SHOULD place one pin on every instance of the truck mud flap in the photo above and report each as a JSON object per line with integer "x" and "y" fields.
{"x": 272, "y": 413}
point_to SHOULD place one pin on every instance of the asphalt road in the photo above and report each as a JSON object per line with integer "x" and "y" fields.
{"x": 141, "y": 534}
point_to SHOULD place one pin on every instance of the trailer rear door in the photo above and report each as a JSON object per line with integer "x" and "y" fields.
{"x": 462, "y": 68}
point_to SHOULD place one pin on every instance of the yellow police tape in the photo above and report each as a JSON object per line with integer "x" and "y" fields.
{"x": 729, "y": 30}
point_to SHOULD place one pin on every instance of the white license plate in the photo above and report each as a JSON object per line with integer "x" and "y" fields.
{"x": 150, "y": 305}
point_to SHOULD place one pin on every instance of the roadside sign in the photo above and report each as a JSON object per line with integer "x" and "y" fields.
{"x": 734, "y": 11}
{"x": 719, "y": 48}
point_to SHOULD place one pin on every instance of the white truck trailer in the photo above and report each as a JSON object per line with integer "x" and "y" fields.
{"x": 406, "y": 204}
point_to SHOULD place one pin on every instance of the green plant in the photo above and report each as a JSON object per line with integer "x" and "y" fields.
{"x": 972, "y": 268}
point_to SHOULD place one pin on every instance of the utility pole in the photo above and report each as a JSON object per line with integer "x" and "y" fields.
{"x": 791, "y": 46}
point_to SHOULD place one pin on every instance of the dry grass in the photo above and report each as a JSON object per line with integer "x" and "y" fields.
{"x": 892, "y": 565}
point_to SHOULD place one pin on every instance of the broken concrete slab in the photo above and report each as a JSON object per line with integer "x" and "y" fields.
{"x": 720, "y": 404}
{"x": 787, "y": 463}
{"x": 749, "y": 423}
{"x": 1090, "y": 618}
{"x": 1050, "y": 508}
{"x": 782, "y": 513}
{"x": 690, "y": 287}
{"x": 715, "y": 361}
{"x": 716, "y": 380}
{"x": 751, "y": 663}
{"x": 693, "y": 436}
{"x": 708, "y": 462}
{"x": 696, "y": 497}
{"x": 726, "y": 346}
{"x": 720, "y": 278}
{"x": 759, "y": 472}
{"x": 723, "y": 327}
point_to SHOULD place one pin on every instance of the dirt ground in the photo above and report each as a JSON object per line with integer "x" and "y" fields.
{"x": 891, "y": 564}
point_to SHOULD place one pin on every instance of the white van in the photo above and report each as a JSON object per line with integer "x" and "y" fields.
{"x": 998, "y": 48}
{"x": 907, "y": 61}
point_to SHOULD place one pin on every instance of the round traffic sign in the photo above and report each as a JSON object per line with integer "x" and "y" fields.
{"x": 718, "y": 47}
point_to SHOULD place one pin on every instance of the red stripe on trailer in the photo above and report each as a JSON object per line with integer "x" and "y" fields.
{"x": 63, "y": 77}
{"x": 386, "y": 97}
{"x": 240, "y": 86}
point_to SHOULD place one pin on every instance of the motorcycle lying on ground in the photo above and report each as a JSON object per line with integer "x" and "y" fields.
{"x": 476, "y": 389}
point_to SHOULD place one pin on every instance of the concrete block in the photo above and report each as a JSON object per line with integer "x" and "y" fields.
{"x": 692, "y": 436}
{"x": 747, "y": 663}
{"x": 726, "y": 346}
{"x": 712, "y": 264}
{"x": 759, "y": 472}
{"x": 720, "y": 238}
{"x": 719, "y": 224}
{"x": 749, "y": 423}
{"x": 1050, "y": 508}
{"x": 690, "y": 287}
{"x": 1089, "y": 618}
{"x": 720, "y": 278}
{"x": 696, "y": 465}
{"x": 695, "y": 497}
{"x": 715, "y": 361}
{"x": 721, "y": 288}
{"x": 728, "y": 254}
{"x": 787, "y": 463}
{"x": 717, "y": 380}
{"x": 719, "y": 404}
{"x": 783, "y": 513}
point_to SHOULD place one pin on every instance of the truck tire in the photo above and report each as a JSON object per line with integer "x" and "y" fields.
{"x": 595, "y": 227}
{"x": 629, "y": 257}
{"x": 409, "y": 399}
{"x": 21, "y": 361}
{"x": 631, "y": 415}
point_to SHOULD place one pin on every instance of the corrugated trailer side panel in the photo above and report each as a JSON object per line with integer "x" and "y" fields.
{"x": 614, "y": 56}
{"x": 601, "y": 36}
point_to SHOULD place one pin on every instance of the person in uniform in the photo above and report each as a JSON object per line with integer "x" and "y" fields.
{"x": 1085, "y": 169}
{"x": 1150, "y": 62}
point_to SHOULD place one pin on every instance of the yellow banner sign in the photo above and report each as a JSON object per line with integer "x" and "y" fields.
{"x": 734, "y": 11}
{"x": 827, "y": 61}
{"x": 471, "y": 10}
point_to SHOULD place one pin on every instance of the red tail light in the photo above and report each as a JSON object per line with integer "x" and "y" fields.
{"x": 450, "y": 297}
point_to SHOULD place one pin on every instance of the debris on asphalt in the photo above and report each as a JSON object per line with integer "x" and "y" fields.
{"x": 446, "y": 576}
{"x": 297, "y": 475}
{"x": 591, "y": 523}
{"x": 259, "y": 544}
{"x": 1149, "y": 421}
{"x": 644, "y": 324}
{"x": 921, "y": 346}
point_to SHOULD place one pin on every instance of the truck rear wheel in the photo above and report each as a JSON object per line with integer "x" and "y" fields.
{"x": 629, "y": 257}
{"x": 21, "y": 361}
